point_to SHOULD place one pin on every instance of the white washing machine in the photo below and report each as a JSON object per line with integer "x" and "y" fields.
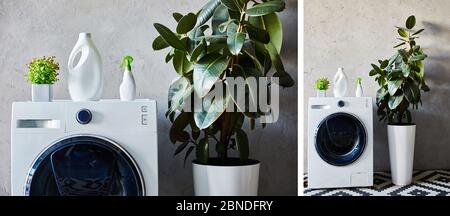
{"x": 340, "y": 142}
{"x": 64, "y": 148}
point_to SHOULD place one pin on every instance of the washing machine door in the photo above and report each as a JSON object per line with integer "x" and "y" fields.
{"x": 341, "y": 139}
{"x": 84, "y": 166}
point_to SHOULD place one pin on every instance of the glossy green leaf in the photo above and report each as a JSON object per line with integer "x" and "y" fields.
{"x": 402, "y": 32}
{"x": 412, "y": 92}
{"x": 181, "y": 63}
{"x": 235, "y": 42}
{"x": 212, "y": 109}
{"x": 411, "y": 22}
{"x": 169, "y": 37}
{"x": 381, "y": 93}
{"x": 394, "y": 85}
{"x": 202, "y": 151}
{"x": 179, "y": 91}
{"x": 384, "y": 64}
{"x": 199, "y": 51}
{"x": 418, "y": 57}
{"x": 187, "y": 23}
{"x": 406, "y": 70}
{"x": 159, "y": 43}
{"x": 247, "y": 101}
{"x": 263, "y": 57}
{"x": 169, "y": 57}
{"x": 272, "y": 24}
{"x": 233, "y": 5}
{"x": 242, "y": 144}
{"x": 207, "y": 12}
{"x": 373, "y": 73}
{"x": 177, "y": 16}
{"x": 220, "y": 17}
{"x": 258, "y": 34}
{"x": 207, "y": 71}
{"x": 377, "y": 69}
{"x": 399, "y": 45}
{"x": 256, "y": 62}
{"x": 266, "y": 8}
{"x": 285, "y": 80}
{"x": 232, "y": 29}
{"x": 395, "y": 101}
{"x": 418, "y": 32}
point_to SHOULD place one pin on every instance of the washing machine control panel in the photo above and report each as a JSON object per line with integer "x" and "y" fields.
{"x": 84, "y": 116}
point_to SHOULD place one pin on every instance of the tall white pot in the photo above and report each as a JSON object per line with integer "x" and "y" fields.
{"x": 401, "y": 151}
{"x": 226, "y": 180}
{"x": 41, "y": 92}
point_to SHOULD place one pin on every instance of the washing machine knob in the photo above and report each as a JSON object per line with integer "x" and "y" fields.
{"x": 341, "y": 104}
{"x": 84, "y": 116}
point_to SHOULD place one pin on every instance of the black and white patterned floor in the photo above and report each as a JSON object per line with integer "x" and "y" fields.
{"x": 426, "y": 183}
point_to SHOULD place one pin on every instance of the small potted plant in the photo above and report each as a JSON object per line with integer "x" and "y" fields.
{"x": 322, "y": 86}
{"x": 244, "y": 39}
{"x": 359, "y": 89}
{"x": 401, "y": 79}
{"x": 42, "y": 73}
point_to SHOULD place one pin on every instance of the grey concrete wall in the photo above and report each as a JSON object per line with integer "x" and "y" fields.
{"x": 354, "y": 33}
{"x": 50, "y": 27}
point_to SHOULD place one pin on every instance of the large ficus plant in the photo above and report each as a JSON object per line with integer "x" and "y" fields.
{"x": 401, "y": 78}
{"x": 226, "y": 38}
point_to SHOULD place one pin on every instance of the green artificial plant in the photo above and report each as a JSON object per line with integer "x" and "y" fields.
{"x": 322, "y": 84}
{"x": 401, "y": 78}
{"x": 43, "y": 70}
{"x": 226, "y": 38}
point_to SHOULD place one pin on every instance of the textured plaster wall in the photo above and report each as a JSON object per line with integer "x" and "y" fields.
{"x": 50, "y": 27}
{"x": 354, "y": 33}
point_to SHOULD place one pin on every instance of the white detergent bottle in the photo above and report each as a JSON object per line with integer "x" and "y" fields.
{"x": 340, "y": 84}
{"x": 128, "y": 85}
{"x": 85, "y": 80}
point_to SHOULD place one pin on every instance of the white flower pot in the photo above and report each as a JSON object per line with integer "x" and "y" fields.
{"x": 401, "y": 151}
{"x": 212, "y": 180}
{"x": 41, "y": 93}
{"x": 321, "y": 93}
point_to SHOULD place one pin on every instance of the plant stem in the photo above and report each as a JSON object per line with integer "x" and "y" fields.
{"x": 235, "y": 59}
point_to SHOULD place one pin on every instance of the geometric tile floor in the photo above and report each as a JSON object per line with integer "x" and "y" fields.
{"x": 426, "y": 183}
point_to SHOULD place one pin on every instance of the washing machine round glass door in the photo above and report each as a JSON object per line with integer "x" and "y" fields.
{"x": 84, "y": 166}
{"x": 341, "y": 139}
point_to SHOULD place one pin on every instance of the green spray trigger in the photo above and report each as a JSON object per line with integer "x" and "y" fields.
{"x": 126, "y": 63}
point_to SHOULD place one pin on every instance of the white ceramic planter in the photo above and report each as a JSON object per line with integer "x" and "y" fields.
{"x": 226, "y": 180}
{"x": 401, "y": 152}
{"x": 321, "y": 93}
{"x": 41, "y": 93}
